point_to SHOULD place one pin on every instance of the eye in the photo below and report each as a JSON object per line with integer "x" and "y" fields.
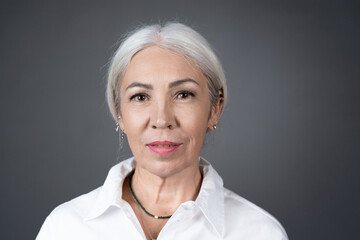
{"x": 184, "y": 94}
{"x": 140, "y": 97}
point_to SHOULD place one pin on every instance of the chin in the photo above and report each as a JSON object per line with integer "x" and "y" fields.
{"x": 167, "y": 168}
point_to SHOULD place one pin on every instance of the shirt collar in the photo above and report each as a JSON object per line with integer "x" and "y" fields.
{"x": 211, "y": 196}
{"x": 111, "y": 192}
{"x": 210, "y": 199}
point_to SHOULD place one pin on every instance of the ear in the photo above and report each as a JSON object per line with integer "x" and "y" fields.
{"x": 216, "y": 110}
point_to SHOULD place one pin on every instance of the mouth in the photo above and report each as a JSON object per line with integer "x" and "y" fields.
{"x": 163, "y": 147}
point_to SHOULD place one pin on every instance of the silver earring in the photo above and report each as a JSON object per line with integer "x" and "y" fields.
{"x": 121, "y": 135}
{"x": 121, "y": 138}
{"x": 117, "y": 125}
{"x": 215, "y": 126}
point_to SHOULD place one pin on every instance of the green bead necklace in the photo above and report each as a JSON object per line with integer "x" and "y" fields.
{"x": 133, "y": 194}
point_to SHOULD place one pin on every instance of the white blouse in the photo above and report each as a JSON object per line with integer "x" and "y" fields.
{"x": 217, "y": 213}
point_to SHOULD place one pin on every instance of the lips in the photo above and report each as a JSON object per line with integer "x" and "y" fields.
{"x": 163, "y": 147}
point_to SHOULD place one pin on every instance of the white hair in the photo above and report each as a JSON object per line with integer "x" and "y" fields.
{"x": 172, "y": 36}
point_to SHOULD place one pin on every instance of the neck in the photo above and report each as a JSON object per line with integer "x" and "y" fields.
{"x": 163, "y": 195}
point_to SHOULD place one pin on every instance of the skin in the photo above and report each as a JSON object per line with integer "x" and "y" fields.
{"x": 164, "y": 97}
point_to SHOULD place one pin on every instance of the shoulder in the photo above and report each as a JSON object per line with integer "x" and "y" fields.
{"x": 77, "y": 207}
{"x": 252, "y": 221}
{"x": 71, "y": 218}
{"x": 67, "y": 217}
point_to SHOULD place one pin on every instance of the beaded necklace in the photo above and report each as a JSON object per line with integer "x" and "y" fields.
{"x": 142, "y": 207}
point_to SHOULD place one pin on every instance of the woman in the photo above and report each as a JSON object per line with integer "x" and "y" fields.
{"x": 166, "y": 89}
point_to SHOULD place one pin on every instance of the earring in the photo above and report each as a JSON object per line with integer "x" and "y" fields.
{"x": 121, "y": 134}
{"x": 121, "y": 139}
{"x": 214, "y": 126}
{"x": 117, "y": 125}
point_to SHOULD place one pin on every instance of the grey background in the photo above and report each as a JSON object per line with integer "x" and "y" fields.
{"x": 289, "y": 139}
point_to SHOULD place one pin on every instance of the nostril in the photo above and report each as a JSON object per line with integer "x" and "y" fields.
{"x": 163, "y": 119}
{"x": 155, "y": 126}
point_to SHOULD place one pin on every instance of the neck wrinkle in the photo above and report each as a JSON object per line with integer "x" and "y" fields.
{"x": 166, "y": 194}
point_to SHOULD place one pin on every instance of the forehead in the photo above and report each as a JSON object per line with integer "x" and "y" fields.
{"x": 154, "y": 64}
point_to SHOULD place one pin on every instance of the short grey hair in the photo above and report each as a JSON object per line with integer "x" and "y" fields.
{"x": 172, "y": 36}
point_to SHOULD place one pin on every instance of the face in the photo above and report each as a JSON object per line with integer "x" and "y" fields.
{"x": 165, "y": 111}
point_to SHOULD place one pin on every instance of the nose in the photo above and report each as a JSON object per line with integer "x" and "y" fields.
{"x": 162, "y": 116}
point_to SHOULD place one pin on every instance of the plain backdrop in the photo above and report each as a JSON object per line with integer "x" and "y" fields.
{"x": 289, "y": 139}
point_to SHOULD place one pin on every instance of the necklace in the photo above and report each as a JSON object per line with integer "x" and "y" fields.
{"x": 143, "y": 220}
{"x": 142, "y": 207}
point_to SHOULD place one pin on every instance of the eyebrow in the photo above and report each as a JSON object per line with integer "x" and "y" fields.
{"x": 171, "y": 85}
{"x": 181, "y": 81}
{"x": 138, "y": 84}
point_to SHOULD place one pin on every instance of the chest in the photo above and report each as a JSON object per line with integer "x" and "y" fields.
{"x": 125, "y": 225}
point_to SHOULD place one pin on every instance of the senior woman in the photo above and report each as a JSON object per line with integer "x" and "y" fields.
{"x": 166, "y": 90}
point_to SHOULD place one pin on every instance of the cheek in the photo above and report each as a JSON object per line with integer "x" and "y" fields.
{"x": 133, "y": 123}
{"x": 134, "y": 134}
{"x": 194, "y": 121}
